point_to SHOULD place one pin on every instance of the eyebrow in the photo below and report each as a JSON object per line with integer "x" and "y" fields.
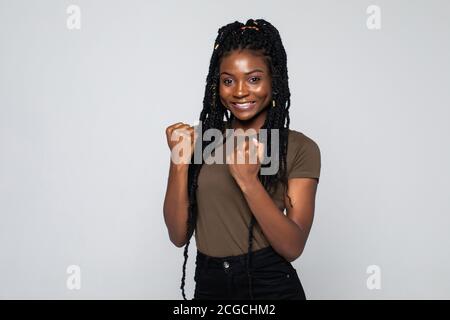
{"x": 256, "y": 70}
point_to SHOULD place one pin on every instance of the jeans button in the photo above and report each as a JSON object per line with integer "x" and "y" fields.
{"x": 226, "y": 265}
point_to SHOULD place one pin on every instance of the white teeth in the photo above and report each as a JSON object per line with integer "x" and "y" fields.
{"x": 244, "y": 105}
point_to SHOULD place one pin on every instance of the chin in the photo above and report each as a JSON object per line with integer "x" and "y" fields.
{"x": 242, "y": 117}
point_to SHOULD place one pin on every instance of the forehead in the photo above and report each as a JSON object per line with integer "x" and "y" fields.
{"x": 243, "y": 61}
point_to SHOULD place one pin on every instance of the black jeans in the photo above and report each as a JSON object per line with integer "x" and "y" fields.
{"x": 272, "y": 277}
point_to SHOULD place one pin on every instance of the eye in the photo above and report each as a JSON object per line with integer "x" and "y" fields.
{"x": 254, "y": 79}
{"x": 227, "y": 82}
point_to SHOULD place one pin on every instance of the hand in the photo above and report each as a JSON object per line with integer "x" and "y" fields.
{"x": 181, "y": 137}
{"x": 245, "y": 161}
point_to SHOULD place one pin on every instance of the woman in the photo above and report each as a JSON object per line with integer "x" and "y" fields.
{"x": 245, "y": 242}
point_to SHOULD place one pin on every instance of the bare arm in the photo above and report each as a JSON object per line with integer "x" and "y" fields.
{"x": 286, "y": 233}
{"x": 176, "y": 201}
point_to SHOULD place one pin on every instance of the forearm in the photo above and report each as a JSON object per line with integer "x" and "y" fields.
{"x": 283, "y": 234}
{"x": 176, "y": 204}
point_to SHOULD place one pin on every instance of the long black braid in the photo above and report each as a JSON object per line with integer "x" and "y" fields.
{"x": 261, "y": 36}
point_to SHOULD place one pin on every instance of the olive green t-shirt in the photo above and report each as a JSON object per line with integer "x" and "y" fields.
{"x": 223, "y": 213}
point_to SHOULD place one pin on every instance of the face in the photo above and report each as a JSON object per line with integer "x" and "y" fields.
{"x": 245, "y": 84}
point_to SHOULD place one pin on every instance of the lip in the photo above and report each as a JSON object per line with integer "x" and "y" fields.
{"x": 243, "y": 106}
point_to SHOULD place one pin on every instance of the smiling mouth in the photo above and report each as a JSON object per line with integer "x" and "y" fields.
{"x": 243, "y": 105}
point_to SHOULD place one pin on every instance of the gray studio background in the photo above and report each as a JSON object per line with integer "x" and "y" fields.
{"x": 84, "y": 158}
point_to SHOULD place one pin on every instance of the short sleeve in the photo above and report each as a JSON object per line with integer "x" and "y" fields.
{"x": 305, "y": 159}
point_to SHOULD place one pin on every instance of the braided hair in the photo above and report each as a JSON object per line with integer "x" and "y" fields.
{"x": 260, "y": 36}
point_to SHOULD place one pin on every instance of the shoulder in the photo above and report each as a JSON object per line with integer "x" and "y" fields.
{"x": 303, "y": 156}
{"x": 299, "y": 142}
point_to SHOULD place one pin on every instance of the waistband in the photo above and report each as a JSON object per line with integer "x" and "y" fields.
{"x": 262, "y": 257}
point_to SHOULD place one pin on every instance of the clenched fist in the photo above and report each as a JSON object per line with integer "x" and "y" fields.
{"x": 181, "y": 139}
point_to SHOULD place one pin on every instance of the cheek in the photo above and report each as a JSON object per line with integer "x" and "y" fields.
{"x": 223, "y": 95}
{"x": 264, "y": 91}
{"x": 224, "y": 92}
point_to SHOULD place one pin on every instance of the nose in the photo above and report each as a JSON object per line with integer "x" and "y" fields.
{"x": 240, "y": 90}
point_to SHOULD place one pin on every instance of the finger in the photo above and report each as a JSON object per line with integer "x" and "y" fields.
{"x": 180, "y": 135}
{"x": 230, "y": 157}
{"x": 184, "y": 128}
{"x": 181, "y": 125}
{"x": 259, "y": 149}
{"x": 174, "y": 126}
{"x": 246, "y": 145}
{"x": 241, "y": 156}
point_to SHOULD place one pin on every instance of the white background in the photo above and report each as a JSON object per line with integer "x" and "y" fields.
{"x": 84, "y": 158}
